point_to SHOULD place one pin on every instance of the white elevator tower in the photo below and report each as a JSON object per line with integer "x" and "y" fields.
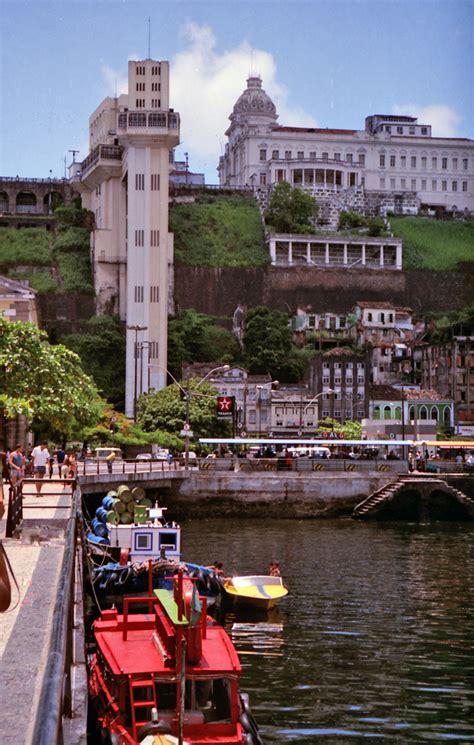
{"x": 124, "y": 181}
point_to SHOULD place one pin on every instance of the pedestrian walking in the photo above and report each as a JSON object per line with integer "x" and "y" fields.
{"x": 60, "y": 455}
{"x": 50, "y": 466}
{"x": 109, "y": 460}
{"x": 16, "y": 462}
{"x": 40, "y": 456}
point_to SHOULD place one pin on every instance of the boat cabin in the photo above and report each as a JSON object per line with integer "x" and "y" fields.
{"x": 153, "y": 539}
{"x": 145, "y": 662}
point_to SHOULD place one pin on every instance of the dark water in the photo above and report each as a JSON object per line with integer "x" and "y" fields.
{"x": 375, "y": 640}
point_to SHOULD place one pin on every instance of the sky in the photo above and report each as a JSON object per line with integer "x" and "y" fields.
{"x": 324, "y": 63}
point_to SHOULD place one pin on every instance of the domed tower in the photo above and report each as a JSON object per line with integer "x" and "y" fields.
{"x": 252, "y": 118}
{"x": 254, "y": 106}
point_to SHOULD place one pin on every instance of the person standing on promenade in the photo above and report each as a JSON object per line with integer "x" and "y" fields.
{"x": 4, "y": 477}
{"x": 51, "y": 466}
{"x": 109, "y": 460}
{"x": 16, "y": 462}
{"x": 60, "y": 455}
{"x": 40, "y": 456}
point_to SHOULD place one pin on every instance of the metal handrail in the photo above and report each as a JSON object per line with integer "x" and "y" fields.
{"x": 56, "y": 693}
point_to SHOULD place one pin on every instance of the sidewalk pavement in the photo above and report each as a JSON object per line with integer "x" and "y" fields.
{"x": 36, "y": 556}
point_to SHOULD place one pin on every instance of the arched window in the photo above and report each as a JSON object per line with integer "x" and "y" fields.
{"x": 3, "y": 201}
{"x": 25, "y": 202}
{"x": 387, "y": 412}
{"x": 398, "y": 412}
{"x": 376, "y": 412}
{"x": 412, "y": 413}
{"x": 434, "y": 413}
{"x": 447, "y": 415}
{"x": 423, "y": 412}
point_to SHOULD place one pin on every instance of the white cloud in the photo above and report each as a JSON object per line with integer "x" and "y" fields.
{"x": 205, "y": 85}
{"x": 444, "y": 119}
{"x": 116, "y": 82}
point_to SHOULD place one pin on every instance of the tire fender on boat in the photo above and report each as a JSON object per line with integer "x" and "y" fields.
{"x": 153, "y": 728}
{"x": 203, "y": 582}
{"x": 123, "y": 576}
{"x": 248, "y": 722}
{"x": 214, "y": 585}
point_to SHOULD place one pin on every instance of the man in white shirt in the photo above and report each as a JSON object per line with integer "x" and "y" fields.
{"x": 41, "y": 458}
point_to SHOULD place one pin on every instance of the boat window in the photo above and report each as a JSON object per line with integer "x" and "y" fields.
{"x": 143, "y": 541}
{"x": 166, "y": 695}
{"x": 168, "y": 540}
{"x": 212, "y": 697}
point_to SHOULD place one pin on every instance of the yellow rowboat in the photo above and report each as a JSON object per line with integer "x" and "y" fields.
{"x": 260, "y": 592}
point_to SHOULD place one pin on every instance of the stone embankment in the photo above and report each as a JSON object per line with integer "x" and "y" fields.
{"x": 285, "y": 495}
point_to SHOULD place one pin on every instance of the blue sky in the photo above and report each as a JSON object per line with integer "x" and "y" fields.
{"x": 326, "y": 64}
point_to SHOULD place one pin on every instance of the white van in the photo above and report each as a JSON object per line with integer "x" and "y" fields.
{"x": 320, "y": 452}
{"x": 102, "y": 453}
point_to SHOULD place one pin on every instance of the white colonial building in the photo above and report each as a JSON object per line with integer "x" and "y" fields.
{"x": 394, "y": 164}
{"x": 124, "y": 181}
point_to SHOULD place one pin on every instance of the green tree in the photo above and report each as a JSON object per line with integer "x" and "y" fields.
{"x": 165, "y": 410}
{"x": 352, "y": 430}
{"x": 192, "y": 337}
{"x": 291, "y": 210}
{"x": 101, "y": 347}
{"x": 43, "y": 382}
{"x": 268, "y": 346}
{"x": 350, "y": 220}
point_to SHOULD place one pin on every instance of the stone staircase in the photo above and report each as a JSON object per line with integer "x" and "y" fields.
{"x": 370, "y": 505}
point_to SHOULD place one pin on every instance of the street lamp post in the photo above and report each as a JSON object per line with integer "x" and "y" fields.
{"x": 135, "y": 327}
{"x": 315, "y": 398}
{"x": 141, "y": 346}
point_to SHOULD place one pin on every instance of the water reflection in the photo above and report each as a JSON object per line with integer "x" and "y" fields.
{"x": 374, "y": 639}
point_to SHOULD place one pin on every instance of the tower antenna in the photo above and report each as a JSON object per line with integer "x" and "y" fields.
{"x": 149, "y": 36}
{"x": 74, "y": 153}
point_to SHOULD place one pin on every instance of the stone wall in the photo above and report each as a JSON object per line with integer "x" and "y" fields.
{"x": 63, "y": 314}
{"x": 217, "y": 291}
{"x": 290, "y": 496}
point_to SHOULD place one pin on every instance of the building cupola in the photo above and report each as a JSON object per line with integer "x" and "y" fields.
{"x": 253, "y": 102}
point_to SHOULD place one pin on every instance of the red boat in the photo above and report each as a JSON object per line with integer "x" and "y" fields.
{"x": 170, "y": 675}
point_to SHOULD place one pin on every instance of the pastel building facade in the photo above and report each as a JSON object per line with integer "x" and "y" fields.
{"x": 124, "y": 181}
{"x": 393, "y": 164}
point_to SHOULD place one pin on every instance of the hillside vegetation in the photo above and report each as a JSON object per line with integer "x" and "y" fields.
{"x": 51, "y": 262}
{"x": 219, "y": 230}
{"x": 438, "y": 245}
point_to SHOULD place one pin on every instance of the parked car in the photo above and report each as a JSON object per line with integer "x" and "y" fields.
{"x": 161, "y": 454}
{"x": 192, "y": 459}
{"x": 143, "y": 457}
